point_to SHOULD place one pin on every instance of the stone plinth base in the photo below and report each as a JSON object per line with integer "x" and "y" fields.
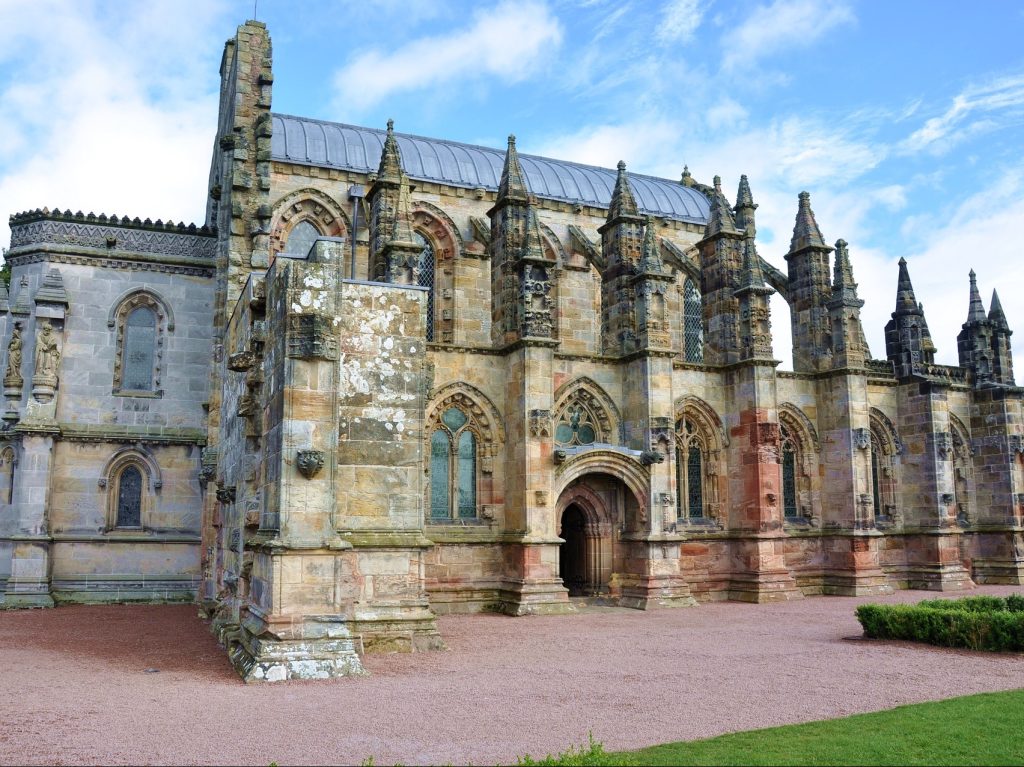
{"x": 15, "y": 600}
{"x": 260, "y": 660}
{"x": 546, "y": 597}
{"x": 764, "y": 577}
{"x": 856, "y": 583}
{"x": 939, "y": 578}
{"x": 853, "y": 568}
{"x": 655, "y": 592}
{"x": 1008, "y": 572}
{"x": 402, "y": 629}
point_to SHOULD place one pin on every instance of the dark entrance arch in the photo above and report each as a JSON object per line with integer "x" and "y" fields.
{"x": 572, "y": 555}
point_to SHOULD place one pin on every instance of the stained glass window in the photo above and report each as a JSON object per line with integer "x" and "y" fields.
{"x": 453, "y": 456}
{"x": 467, "y": 475}
{"x": 693, "y": 329}
{"x": 426, "y": 279}
{"x": 139, "y": 349}
{"x": 789, "y": 456}
{"x": 576, "y": 427}
{"x": 694, "y": 485}
{"x": 301, "y": 239}
{"x": 440, "y": 449}
{"x": 129, "y": 498}
{"x": 876, "y": 486}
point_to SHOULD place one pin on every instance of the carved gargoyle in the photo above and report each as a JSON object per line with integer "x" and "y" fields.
{"x": 647, "y": 457}
{"x": 309, "y": 462}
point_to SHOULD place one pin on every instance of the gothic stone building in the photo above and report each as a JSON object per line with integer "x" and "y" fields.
{"x": 392, "y": 377}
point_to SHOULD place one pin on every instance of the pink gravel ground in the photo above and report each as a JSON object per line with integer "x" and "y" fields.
{"x": 75, "y": 687}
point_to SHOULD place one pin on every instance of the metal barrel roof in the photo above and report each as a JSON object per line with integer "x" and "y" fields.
{"x": 335, "y": 145}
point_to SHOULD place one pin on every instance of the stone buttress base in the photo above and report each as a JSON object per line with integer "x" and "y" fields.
{"x": 852, "y": 566}
{"x": 653, "y": 579}
{"x": 933, "y": 562}
{"x": 761, "y": 574}
{"x": 539, "y": 591}
{"x": 999, "y": 558}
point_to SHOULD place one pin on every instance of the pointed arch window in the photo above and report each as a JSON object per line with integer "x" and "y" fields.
{"x": 129, "y": 497}
{"x": 883, "y": 478}
{"x": 693, "y": 329}
{"x": 453, "y": 468}
{"x": 790, "y": 454}
{"x": 691, "y": 463}
{"x": 425, "y": 278}
{"x": 577, "y": 426}
{"x": 142, "y": 323}
{"x": 301, "y": 238}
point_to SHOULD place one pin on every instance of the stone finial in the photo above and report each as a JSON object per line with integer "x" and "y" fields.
{"x": 533, "y": 245}
{"x": 686, "y": 179}
{"x": 650, "y": 252}
{"x": 976, "y": 310}
{"x": 720, "y": 218}
{"x": 842, "y": 280}
{"x": 623, "y": 202}
{"x": 752, "y": 276}
{"x": 744, "y": 199}
{"x": 390, "y": 168}
{"x": 996, "y": 315}
{"x": 513, "y": 182}
{"x": 906, "y": 301}
{"x": 806, "y": 233}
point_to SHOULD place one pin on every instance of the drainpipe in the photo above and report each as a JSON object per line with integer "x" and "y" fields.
{"x": 355, "y": 194}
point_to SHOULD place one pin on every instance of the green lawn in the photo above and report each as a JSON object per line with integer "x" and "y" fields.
{"x": 978, "y": 729}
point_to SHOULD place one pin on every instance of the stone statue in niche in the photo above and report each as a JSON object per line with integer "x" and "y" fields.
{"x": 12, "y": 377}
{"x": 47, "y": 354}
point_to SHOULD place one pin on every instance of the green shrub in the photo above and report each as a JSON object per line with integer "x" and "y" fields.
{"x": 976, "y": 623}
{"x": 594, "y": 756}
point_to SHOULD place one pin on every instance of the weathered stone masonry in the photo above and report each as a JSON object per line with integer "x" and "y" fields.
{"x": 392, "y": 377}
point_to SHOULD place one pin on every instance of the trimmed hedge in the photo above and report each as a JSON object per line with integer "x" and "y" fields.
{"x": 977, "y": 623}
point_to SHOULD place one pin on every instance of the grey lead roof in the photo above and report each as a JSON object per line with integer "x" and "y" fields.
{"x": 335, "y": 145}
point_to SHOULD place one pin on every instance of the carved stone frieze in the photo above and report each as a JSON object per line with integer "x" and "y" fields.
{"x": 540, "y": 423}
{"x": 112, "y": 234}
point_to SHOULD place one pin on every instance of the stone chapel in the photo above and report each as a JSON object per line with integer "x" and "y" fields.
{"x": 391, "y": 377}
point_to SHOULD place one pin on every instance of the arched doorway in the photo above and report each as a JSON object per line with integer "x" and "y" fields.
{"x": 572, "y": 555}
{"x": 594, "y": 509}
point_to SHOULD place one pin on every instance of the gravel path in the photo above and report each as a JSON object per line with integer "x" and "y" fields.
{"x": 76, "y": 690}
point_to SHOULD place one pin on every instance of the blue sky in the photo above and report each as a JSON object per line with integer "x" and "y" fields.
{"x": 903, "y": 120}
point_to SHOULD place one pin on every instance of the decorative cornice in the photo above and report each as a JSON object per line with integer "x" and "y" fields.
{"x": 45, "y": 214}
{"x": 57, "y": 256}
{"x": 30, "y": 231}
{"x": 76, "y": 432}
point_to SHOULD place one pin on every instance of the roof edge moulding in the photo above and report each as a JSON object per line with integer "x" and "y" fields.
{"x": 306, "y": 141}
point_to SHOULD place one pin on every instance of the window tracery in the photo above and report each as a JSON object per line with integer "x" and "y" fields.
{"x": 301, "y": 238}
{"x": 584, "y": 415}
{"x": 691, "y": 463}
{"x": 693, "y": 328}
{"x": 130, "y": 480}
{"x": 141, "y": 323}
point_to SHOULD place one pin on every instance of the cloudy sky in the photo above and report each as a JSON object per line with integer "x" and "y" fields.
{"x": 903, "y": 120}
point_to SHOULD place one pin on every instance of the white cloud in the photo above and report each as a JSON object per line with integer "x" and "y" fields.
{"x": 509, "y": 41}
{"x": 999, "y": 97}
{"x": 785, "y": 24}
{"x": 726, "y": 113}
{"x": 679, "y": 20}
{"x": 110, "y": 109}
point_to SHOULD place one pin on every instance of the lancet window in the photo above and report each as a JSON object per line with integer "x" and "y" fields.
{"x": 790, "y": 464}
{"x": 691, "y": 468}
{"x": 453, "y": 468}
{"x": 693, "y": 329}
{"x": 884, "y": 451}
{"x": 141, "y": 322}
{"x": 425, "y": 278}
{"x": 129, "y": 497}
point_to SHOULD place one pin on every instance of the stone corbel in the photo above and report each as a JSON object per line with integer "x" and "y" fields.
{"x": 862, "y": 438}
{"x": 309, "y": 462}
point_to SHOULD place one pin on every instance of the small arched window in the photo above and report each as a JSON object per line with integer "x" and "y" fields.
{"x": 142, "y": 322}
{"x": 453, "y": 468}
{"x": 139, "y": 349}
{"x": 301, "y": 239}
{"x": 425, "y": 278}
{"x": 693, "y": 329}
{"x": 129, "y": 497}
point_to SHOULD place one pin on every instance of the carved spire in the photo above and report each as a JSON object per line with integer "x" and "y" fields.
{"x": 51, "y": 291}
{"x": 745, "y": 207}
{"x": 623, "y": 202}
{"x": 402, "y": 230}
{"x": 906, "y": 301}
{"x": 687, "y": 178}
{"x": 996, "y": 315}
{"x": 390, "y": 168}
{"x": 805, "y": 232}
{"x": 720, "y": 218}
{"x": 533, "y": 245}
{"x": 976, "y": 312}
{"x": 513, "y": 183}
{"x": 752, "y": 276}
{"x": 843, "y": 285}
{"x": 22, "y": 304}
{"x": 650, "y": 251}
